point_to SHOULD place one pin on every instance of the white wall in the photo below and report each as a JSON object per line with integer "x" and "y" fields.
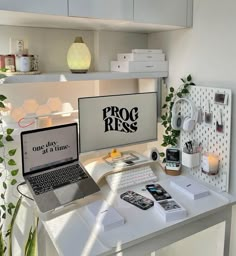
{"x": 52, "y": 45}
{"x": 208, "y": 52}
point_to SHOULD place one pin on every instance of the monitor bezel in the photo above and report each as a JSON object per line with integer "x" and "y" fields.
{"x": 125, "y": 144}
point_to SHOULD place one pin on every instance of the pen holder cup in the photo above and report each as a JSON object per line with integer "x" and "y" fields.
{"x": 190, "y": 160}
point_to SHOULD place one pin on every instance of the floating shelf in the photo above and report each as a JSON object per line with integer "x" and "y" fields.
{"x": 65, "y": 77}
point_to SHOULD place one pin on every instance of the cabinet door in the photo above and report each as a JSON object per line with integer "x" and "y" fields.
{"x": 54, "y": 7}
{"x": 102, "y": 9}
{"x": 164, "y": 12}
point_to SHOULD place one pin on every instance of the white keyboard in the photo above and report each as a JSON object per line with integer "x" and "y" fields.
{"x": 130, "y": 178}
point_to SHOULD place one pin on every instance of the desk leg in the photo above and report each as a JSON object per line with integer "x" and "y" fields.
{"x": 228, "y": 220}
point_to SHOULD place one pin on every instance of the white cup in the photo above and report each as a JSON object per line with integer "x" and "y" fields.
{"x": 25, "y": 63}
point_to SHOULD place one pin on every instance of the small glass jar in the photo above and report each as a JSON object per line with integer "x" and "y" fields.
{"x": 10, "y": 62}
{"x": 25, "y": 63}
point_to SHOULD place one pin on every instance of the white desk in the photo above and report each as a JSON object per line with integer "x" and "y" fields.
{"x": 144, "y": 231}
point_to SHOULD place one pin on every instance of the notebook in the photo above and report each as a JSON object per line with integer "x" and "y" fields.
{"x": 51, "y": 167}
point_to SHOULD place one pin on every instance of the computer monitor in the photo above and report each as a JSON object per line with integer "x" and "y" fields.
{"x": 118, "y": 120}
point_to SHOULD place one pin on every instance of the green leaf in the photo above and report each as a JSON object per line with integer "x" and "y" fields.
{"x": 11, "y": 162}
{"x": 14, "y": 172}
{"x": 9, "y": 138}
{"x": 4, "y": 215}
{"x": 172, "y": 89}
{"x": 7, "y": 234}
{"x": 163, "y": 117}
{"x": 2, "y": 196}
{"x": 164, "y": 123}
{"x": 168, "y": 99}
{"x": 2, "y": 97}
{"x": 3, "y": 207}
{"x": 4, "y": 185}
{"x": 176, "y": 133}
{"x": 10, "y": 131}
{"x": 2, "y": 245}
{"x": 192, "y": 83}
{"x": 171, "y": 95}
{"x": 1, "y": 160}
{"x": 13, "y": 182}
{"x": 179, "y": 94}
{"x": 31, "y": 249}
{"x": 164, "y": 144}
{"x": 1, "y": 144}
{"x": 164, "y": 106}
{"x": 12, "y": 152}
{"x": 183, "y": 80}
{"x": 11, "y": 205}
{"x": 2, "y": 105}
{"x": 189, "y": 78}
{"x": 1, "y": 136}
{"x": 185, "y": 91}
{"x": 28, "y": 240}
{"x": 9, "y": 210}
{"x": 162, "y": 154}
{"x": 11, "y": 225}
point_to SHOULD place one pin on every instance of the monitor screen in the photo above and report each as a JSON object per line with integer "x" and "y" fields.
{"x": 48, "y": 147}
{"x": 117, "y": 120}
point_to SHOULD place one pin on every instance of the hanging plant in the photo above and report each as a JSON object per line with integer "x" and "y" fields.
{"x": 8, "y": 173}
{"x": 171, "y": 136}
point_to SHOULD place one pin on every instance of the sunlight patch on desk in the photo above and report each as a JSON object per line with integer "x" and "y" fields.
{"x": 96, "y": 228}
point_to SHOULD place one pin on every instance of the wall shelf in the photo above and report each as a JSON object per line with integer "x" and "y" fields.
{"x": 66, "y": 76}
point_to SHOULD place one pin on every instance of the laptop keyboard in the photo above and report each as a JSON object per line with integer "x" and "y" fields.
{"x": 57, "y": 178}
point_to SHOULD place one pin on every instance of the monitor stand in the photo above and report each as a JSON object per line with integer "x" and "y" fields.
{"x": 104, "y": 166}
{"x": 126, "y": 158}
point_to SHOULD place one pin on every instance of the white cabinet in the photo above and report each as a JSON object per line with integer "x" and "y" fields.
{"x": 163, "y": 12}
{"x": 52, "y": 7}
{"x": 102, "y": 9}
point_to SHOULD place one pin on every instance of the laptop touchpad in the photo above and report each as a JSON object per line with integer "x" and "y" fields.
{"x": 68, "y": 193}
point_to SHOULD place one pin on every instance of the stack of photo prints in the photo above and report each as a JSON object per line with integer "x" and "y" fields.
{"x": 169, "y": 209}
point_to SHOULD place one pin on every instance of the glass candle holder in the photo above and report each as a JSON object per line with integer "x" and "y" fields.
{"x": 210, "y": 163}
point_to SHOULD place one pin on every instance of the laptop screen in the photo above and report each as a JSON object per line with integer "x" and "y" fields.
{"x": 46, "y": 148}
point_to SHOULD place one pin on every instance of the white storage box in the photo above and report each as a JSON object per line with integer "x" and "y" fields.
{"x": 170, "y": 210}
{"x": 147, "y": 51}
{"x": 105, "y": 216}
{"x": 141, "y": 56}
{"x": 189, "y": 187}
{"x": 139, "y": 66}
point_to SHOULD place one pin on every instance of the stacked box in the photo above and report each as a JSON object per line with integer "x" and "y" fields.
{"x": 170, "y": 210}
{"x": 140, "y": 60}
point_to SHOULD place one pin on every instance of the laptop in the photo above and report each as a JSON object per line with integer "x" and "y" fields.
{"x": 51, "y": 167}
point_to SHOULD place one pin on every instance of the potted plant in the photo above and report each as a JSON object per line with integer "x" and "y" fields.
{"x": 170, "y": 136}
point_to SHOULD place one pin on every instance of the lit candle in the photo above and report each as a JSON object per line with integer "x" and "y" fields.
{"x": 213, "y": 163}
{"x": 210, "y": 163}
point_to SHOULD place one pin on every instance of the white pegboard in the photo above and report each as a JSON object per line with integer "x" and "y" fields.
{"x": 211, "y": 140}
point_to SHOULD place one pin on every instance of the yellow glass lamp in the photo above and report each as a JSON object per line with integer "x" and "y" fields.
{"x": 78, "y": 56}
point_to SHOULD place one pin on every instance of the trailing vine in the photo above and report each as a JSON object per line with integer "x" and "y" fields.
{"x": 170, "y": 136}
{"x": 8, "y": 171}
